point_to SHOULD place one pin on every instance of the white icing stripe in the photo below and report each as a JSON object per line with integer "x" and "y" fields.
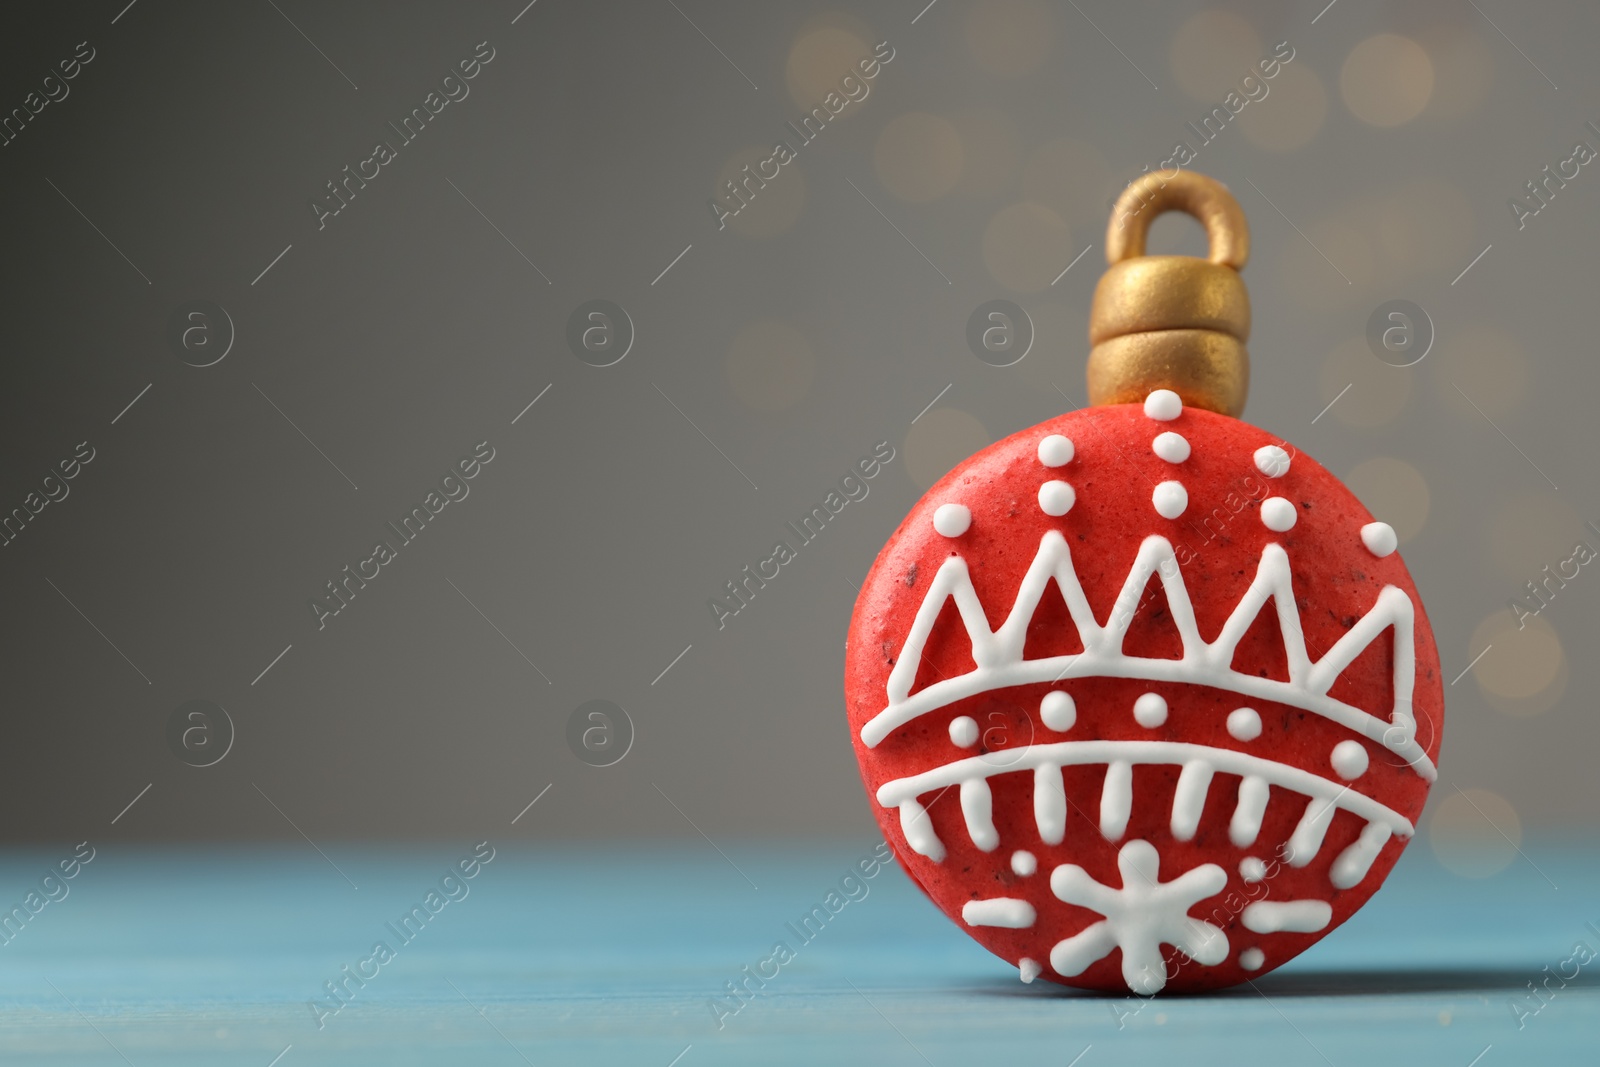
{"x": 918, "y": 828}
{"x": 977, "y": 806}
{"x": 1286, "y": 916}
{"x": 1247, "y": 814}
{"x": 1008, "y": 912}
{"x": 1050, "y": 803}
{"x": 1119, "y": 757}
{"x": 1116, "y": 798}
{"x": 1356, "y": 860}
{"x": 1029, "y": 969}
{"x": 1189, "y": 799}
{"x": 998, "y": 653}
{"x": 1306, "y": 841}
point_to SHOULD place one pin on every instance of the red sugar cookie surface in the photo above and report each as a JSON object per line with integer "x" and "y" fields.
{"x": 1144, "y": 699}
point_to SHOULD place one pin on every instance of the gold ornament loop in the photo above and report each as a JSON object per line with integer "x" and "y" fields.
{"x": 1207, "y": 199}
{"x": 1172, "y": 322}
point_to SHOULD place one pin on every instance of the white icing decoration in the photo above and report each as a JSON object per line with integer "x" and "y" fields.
{"x": 952, "y": 520}
{"x": 1049, "y": 803}
{"x": 1143, "y": 915}
{"x": 1286, "y": 916}
{"x": 963, "y": 731}
{"x": 1354, "y": 862}
{"x": 1189, "y": 798}
{"x": 1278, "y": 514}
{"x": 1163, "y": 405}
{"x": 1254, "y": 792}
{"x": 1349, "y": 760}
{"x": 1058, "y": 710}
{"x": 1252, "y": 959}
{"x": 1056, "y": 451}
{"x": 1380, "y": 539}
{"x": 971, "y": 774}
{"x": 1007, "y": 912}
{"x": 1252, "y": 869}
{"x": 1306, "y": 841}
{"x": 1116, "y": 799}
{"x": 977, "y": 807}
{"x": 1170, "y": 499}
{"x": 1023, "y": 863}
{"x": 998, "y": 654}
{"x": 1056, "y": 498}
{"x": 1029, "y": 969}
{"x": 1244, "y": 723}
{"x": 1171, "y": 447}
{"x": 1150, "y": 710}
{"x": 919, "y": 832}
{"x": 1272, "y": 461}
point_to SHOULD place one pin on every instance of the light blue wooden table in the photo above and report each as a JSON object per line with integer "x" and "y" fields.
{"x": 599, "y": 956}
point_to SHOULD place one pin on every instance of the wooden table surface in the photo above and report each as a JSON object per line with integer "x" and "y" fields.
{"x": 616, "y": 955}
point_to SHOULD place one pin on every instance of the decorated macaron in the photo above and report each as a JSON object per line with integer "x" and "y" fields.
{"x": 1144, "y": 698}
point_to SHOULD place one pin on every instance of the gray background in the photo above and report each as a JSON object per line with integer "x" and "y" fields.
{"x": 412, "y": 327}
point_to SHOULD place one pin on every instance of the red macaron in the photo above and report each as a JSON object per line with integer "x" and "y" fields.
{"x": 1144, "y": 699}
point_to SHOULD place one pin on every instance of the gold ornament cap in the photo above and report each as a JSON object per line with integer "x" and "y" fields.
{"x": 1172, "y": 322}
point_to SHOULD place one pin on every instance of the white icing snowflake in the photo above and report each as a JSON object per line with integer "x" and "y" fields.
{"x": 1143, "y": 915}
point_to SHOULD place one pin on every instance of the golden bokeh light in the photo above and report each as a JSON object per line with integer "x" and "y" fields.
{"x": 1526, "y": 657}
{"x": 1394, "y": 491}
{"x": 1475, "y": 833}
{"x": 1386, "y": 80}
{"x": 821, "y": 57}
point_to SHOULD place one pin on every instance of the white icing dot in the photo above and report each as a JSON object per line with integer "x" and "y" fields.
{"x": 1029, "y": 969}
{"x": 1056, "y": 498}
{"x": 1349, "y": 759}
{"x": 1252, "y": 869}
{"x": 1244, "y": 724}
{"x": 964, "y": 731}
{"x": 1150, "y": 710}
{"x": 1163, "y": 405}
{"x": 1272, "y": 461}
{"x": 1278, "y": 514}
{"x": 1055, "y": 451}
{"x": 1379, "y": 538}
{"x": 1170, "y": 499}
{"x": 1058, "y": 711}
{"x": 952, "y": 520}
{"x": 1024, "y": 863}
{"x": 1251, "y": 959}
{"x": 1171, "y": 447}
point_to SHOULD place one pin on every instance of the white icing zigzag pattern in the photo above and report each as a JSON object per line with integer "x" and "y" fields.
{"x": 1000, "y": 663}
